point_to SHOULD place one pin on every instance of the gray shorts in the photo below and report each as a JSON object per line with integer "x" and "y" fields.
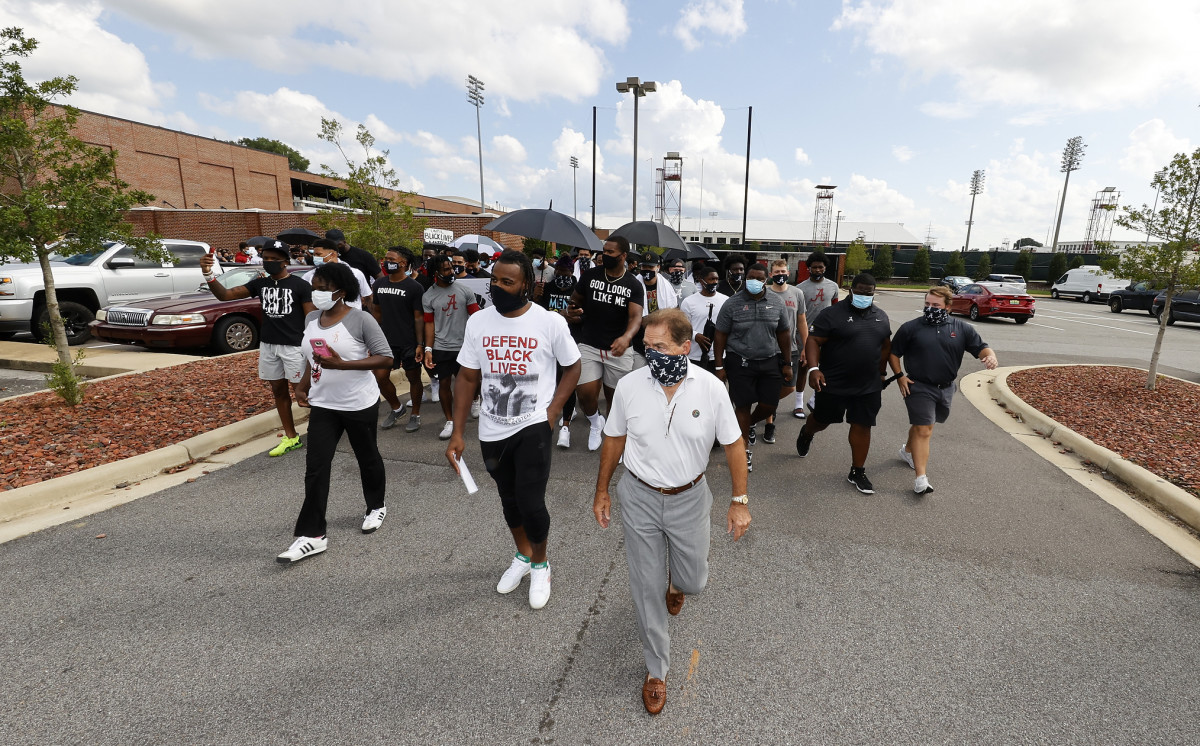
{"x": 280, "y": 363}
{"x": 927, "y": 403}
{"x": 601, "y": 364}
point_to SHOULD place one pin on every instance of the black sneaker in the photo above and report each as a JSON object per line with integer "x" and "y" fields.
{"x": 803, "y": 443}
{"x": 752, "y": 435}
{"x": 749, "y": 460}
{"x": 858, "y": 478}
{"x": 769, "y": 433}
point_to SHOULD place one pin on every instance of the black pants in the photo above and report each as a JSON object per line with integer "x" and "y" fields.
{"x": 325, "y": 428}
{"x": 568, "y": 410}
{"x": 520, "y": 464}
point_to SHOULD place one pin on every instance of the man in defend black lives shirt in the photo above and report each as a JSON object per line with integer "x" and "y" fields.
{"x": 556, "y": 296}
{"x": 286, "y": 300}
{"x": 397, "y": 308}
{"x": 608, "y": 303}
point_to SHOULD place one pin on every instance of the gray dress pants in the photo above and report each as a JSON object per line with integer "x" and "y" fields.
{"x": 654, "y": 522}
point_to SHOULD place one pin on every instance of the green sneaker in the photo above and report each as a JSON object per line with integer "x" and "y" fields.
{"x": 285, "y": 444}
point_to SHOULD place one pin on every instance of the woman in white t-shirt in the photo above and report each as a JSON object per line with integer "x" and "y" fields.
{"x": 342, "y": 346}
{"x": 511, "y": 352}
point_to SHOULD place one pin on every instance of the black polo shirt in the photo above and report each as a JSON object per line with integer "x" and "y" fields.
{"x": 933, "y": 354}
{"x": 854, "y": 343}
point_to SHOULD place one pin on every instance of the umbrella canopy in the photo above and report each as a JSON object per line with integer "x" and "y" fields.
{"x": 694, "y": 252}
{"x": 301, "y": 236}
{"x": 547, "y": 225}
{"x": 482, "y": 244}
{"x": 650, "y": 233}
{"x": 260, "y": 241}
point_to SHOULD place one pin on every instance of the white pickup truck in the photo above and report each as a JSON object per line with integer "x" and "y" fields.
{"x": 86, "y": 283}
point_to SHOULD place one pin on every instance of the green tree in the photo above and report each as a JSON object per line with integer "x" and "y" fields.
{"x": 1076, "y": 262}
{"x": 919, "y": 272}
{"x": 529, "y": 244}
{"x": 1174, "y": 264}
{"x": 1023, "y": 266}
{"x": 1023, "y": 242}
{"x": 379, "y": 222}
{"x": 955, "y": 266}
{"x": 856, "y": 258}
{"x": 296, "y": 162}
{"x": 984, "y": 268}
{"x": 882, "y": 267}
{"x": 1058, "y": 266}
{"x": 63, "y": 196}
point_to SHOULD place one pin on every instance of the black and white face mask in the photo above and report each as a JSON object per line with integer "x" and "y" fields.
{"x": 666, "y": 369}
{"x": 936, "y": 316}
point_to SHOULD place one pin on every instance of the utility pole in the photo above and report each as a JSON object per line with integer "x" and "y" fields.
{"x": 475, "y": 98}
{"x": 746, "y": 188}
{"x": 1071, "y": 157}
{"x": 574, "y": 185}
{"x": 976, "y": 190}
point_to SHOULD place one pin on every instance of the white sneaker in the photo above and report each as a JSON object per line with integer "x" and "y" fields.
{"x": 921, "y": 485}
{"x": 906, "y": 457}
{"x": 512, "y": 576}
{"x": 539, "y": 586}
{"x": 596, "y": 435}
{"x": 435, "y": 392}
{"x": 374, "y": 520}
{"x": 447, "y": 431}
{"x": 475, "y": 409}
{"x": 564, "y": 437}
{"x": 303, "y": 546}
{"x": 427, "y": 393}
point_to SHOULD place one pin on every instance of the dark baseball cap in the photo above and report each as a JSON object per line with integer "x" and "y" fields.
{"x": 650, "y": 259}
{"x": 335, "y": 234}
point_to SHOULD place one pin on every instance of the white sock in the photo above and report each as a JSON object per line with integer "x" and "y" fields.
{"x": 595, "y": 418}
{"x": 799, "y": 400}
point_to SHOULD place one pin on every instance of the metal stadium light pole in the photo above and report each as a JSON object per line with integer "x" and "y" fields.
{"x": 976, "y": 190}
{"x": 638, "y": 89}
{"x": 1071, "y": 157}
{"x": 574, "y": 184}
{"x": 475, "y": 98}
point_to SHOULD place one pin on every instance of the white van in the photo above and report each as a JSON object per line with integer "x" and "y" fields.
{"x": 1087, "y": 283}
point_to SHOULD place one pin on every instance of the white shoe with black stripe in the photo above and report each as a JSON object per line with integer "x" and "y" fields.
{"x": 303, "y": 546}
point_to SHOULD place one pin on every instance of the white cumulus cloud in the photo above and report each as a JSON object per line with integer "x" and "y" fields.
{"x": 802, "y": 158}
{"x": 902, "y": 153}
{"x": 716, "y": 17}
{"x": 1151, "y": 146}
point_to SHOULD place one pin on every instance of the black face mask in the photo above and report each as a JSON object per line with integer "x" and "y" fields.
{"x": 779, "y": 279}
{"x": 273, "y": 267}
{"x": 711, "y": 287}
{"x": 612, "y": 262}
{"x": 445, "y": 279}
{"x": 391, "y": 267}
{"x": 734, "y": 278}
{"x": 459, "y": 269}
{"x": 505, "y": 301}
{"x": 676, "y": 276}
{"x": 585, "y": 263}
{"x": 562, "y": 282}
{"x": 648, "y": 274}
{"x": 817, "y": 276}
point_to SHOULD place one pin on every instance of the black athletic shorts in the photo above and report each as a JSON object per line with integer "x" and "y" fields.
{"x": 445, "y": 364}
{"x": 405, "y": 357}
{"x": 857, "y": 410}
{"x": 756, "y": 382}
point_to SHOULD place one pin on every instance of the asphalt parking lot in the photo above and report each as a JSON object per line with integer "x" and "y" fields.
{"x": 1011, "y": 606}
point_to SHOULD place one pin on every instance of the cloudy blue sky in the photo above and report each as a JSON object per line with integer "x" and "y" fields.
{"x": 894, "y": 101}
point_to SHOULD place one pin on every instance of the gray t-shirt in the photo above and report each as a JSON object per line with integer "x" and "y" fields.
{"x": 818, "y": 296}
{"x": 448, "y": 308}
{"x": 753, "y": 323}
{"x": 794, "y": 300}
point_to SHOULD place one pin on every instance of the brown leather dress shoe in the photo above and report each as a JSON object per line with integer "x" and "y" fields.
{"x": 674, "y": 602}
{"x": 654, "y": 695}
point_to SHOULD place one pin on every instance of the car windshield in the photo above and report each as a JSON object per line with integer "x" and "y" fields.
{"x": 80, "y": 260}
{"x": 234, "y": 278}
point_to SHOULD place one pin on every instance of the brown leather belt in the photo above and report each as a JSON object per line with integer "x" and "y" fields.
{"x": 669, "y": 490}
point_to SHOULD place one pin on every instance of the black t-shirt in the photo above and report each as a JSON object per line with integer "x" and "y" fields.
{"x": 397, "y": 301}
{"x": 362, "y": 260}
{"x": 933, "y": 353}
{"x": 557, "y": 299}
{"x": 724, "y": 288}
{"x": 854, "y": 342}
{"x": 606, "y": 306}
{"x": 283, "y": 308}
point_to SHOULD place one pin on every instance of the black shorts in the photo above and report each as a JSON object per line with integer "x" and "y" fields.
{"x": 405, "y": 357}
{"x": 756, "y": 382}
{"x": 445, "y": 364}
{"x": 856, "y": 410}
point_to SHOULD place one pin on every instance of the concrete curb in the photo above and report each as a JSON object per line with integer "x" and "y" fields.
{"x": 1175, "y": 500}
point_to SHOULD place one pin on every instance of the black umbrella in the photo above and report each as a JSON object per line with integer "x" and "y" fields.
{"x": 547, "y": 225}
{"x": 650, "y": 233}
{"x": 259, "y": 241}
{"x": 695, "y": 252}
{"x": 301, "y": 236}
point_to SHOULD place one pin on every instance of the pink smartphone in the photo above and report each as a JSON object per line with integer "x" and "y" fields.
{"x": 319, "y": 348}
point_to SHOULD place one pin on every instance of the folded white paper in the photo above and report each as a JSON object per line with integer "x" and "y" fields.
{"x": 465, "y": 473}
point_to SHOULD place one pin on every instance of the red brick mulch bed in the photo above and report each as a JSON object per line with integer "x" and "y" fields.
{"x": 1158, "y": 430}
{"x": 42, "y": 438}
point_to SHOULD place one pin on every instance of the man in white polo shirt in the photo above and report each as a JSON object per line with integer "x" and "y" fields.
{"x": 663, "y": 420}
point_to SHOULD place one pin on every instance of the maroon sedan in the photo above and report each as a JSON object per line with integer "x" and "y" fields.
{"x": 189, "y": 320}
{"x": 993, "y": 299}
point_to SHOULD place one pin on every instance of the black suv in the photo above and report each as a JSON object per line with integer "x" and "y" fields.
{"x": 1185, "y": 306}
{"x": 1137, "y": 297}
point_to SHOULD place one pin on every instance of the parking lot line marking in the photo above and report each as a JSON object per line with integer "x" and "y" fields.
{"x": 1044, "y": 326}
{"x": 1102, "y": 326}
{"x": 1110, "y": 316}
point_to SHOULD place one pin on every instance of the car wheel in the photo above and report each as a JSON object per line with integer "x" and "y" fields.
{"x": 75, "y": 317}
{"x": 1171, "y": 318}
{"x": 1086, "y": 297}
{"x": 1021, "y": 319}
{"x": 1054, "y": 294}
{"x": 1114, "y": 305}
{"x": 974, "y": 313}
{"x": 234, "y": 334}
{"x": 1151, "y": 312}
